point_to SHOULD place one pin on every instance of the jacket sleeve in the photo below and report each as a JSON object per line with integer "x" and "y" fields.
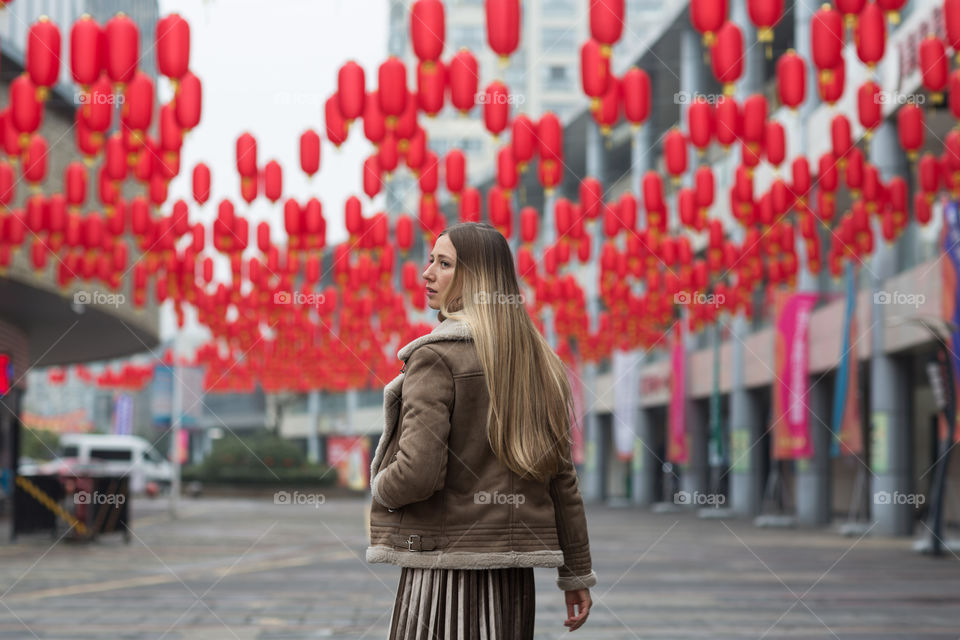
{"x": 576, "y": 571}
{"x": 419, "y": 467}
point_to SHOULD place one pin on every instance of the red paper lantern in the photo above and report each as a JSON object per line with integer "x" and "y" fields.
{"x": 827, "y": 173}
{"x": 550, "y": 136}
{"x": 464, "y": 80}
{"x": 416, "y": 151}
{"x": 496, "y": 107}
{"x": 840, "y": 136}
{"x": 75, "y": 183}
{"x": 791, "y": 79}
{"x": 928, "y": 170}
{"x": 594, "y": 70}
{"x": 869, "y": 106}
{"x": 392, "y": 88}
{"x": 503, "y": 26}
{"x": 273, "y": 181}
{"x": 910, "y": 127}
{"x": 871, "y": 35}
{"x": 138, "y": 101}
{"x": 427, "y": 29}
{"x": 506, "y": 169}
{"x": 707, "y": 16}
{"x": 827, "y": 39}
{"x": 934, "y": 65}
{"x": 455, "y": 173}
{"x": 802, "y": 181}
{"x": 652, "y": 188}
{"x": 431, "y": 87}
{"x": 529, "y": 221}
{"x": 172, "y": 40}
{"x": 336, "y": 125}
{"x": 704, "y": 186}
{"x": 404, "y": 233}
{"x": 729, "y": 123}
{"x": 700, "y": 123}
{"x": 374, "y": 122}
{"x": 726, "y": 56}
{"x": 35, "y": 160}
{"x": 830, "y": 85}
{"x": 188, "y": 101}
{"x": 430, "y": 174}
{"x": 470, "y": 205}
{"x": 310, "y": 152}
{"x": 123, "y": 48}
{"x": 26, "y": 109}
{"x": 372, "y": 181}
{"x": 854, "y": 170}
{"x": 406, "y": 123}
{"x": 247, "y": 155}
{"x": 591, "y": 197}
{"x": 43, "y": 53}
{"x": 201, "y": 183}
{"x": 922, "y": 210}
{"x": 550, "y": 173}
{"x": 351, "y": 90}
{"x": 775, "y": 139}
{"x": 523, "y": 139}
{"x": 754, "y": 121}
{"x": 675, "y": 153}
{"x": 765, "y": 14}
{"x": 606, "y": 22}
{"x": 635, "y": 90}
{"x": 86, "y": 50}
{"x": 607, "y": 112}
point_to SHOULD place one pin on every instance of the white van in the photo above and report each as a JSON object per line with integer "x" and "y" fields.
{"x": 131, "y": 455}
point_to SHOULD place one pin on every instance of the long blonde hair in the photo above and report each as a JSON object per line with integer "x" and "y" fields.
{"x": 528, "y": 421}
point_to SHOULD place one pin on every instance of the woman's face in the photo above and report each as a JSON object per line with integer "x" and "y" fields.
{"x": 439, "y": 271}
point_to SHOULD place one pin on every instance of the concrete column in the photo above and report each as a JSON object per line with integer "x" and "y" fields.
{"x": 695, "y": 475}
{"x": 351, "y": 410}
{"x": 591, "y": 480}
{"x": 646, "y": 464}
{"x": 890, "y": 443}
{"x": 812, "y": 487}
{"x": 813, "y": 499}
{"x": 745, "y": 427}
{"x": 313, "y": 419}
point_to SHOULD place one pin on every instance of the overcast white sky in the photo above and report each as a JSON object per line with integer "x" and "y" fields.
{"x": 267, "y": 68}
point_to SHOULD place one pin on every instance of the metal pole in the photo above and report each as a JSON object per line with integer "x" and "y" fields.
{"x": 176, "y": 415}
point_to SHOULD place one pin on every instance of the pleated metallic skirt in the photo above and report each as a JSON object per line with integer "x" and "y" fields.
{"x": 464, "y": 604}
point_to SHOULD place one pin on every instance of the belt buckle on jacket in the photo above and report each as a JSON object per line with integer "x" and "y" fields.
{"x": 410, "y": 542}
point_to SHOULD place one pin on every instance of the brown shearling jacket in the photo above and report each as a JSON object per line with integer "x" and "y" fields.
{"x": 441, "y": 498}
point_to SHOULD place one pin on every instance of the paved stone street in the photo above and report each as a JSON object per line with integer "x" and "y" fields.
{"x": 248, "y": 568}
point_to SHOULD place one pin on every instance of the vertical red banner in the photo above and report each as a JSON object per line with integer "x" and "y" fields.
{"x": 677, "y": 429}
{"x": 791, "y": 413}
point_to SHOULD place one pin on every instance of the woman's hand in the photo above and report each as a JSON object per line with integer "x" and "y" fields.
{"x": 579, "y": 598}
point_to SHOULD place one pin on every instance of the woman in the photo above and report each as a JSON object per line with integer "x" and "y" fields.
{"x": 473, "y": 483}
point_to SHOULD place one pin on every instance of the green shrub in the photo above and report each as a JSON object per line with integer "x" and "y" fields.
{"x": 261, "y": 458}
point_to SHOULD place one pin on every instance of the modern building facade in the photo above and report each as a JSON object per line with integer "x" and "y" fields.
{"x": 41, "y": 324}
{"x": 627, "y": 403}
